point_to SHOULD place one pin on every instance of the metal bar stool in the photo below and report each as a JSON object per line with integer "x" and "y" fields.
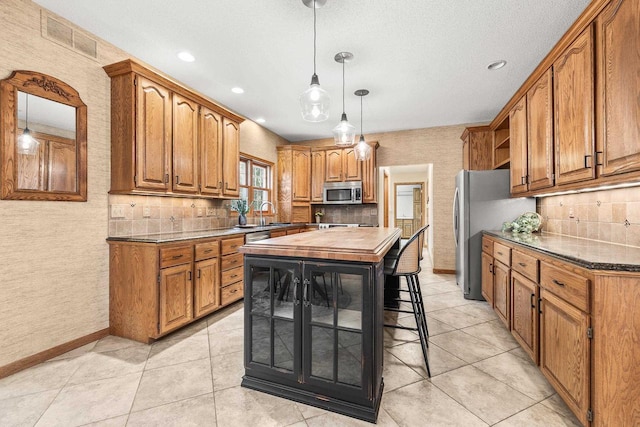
{"x": 407, "y": 264}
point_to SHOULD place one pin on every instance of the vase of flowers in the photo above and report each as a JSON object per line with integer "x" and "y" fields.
{"x": 318, "y": 216}
{"x": 242, "y": 207}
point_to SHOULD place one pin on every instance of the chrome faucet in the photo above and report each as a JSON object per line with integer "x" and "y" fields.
{"x": 261, "y": 206}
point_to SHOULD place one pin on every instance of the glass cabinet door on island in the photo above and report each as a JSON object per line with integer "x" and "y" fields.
{"x": 308, "y": 326}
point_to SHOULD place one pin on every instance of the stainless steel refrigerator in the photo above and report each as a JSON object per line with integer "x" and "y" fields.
{"x": 481, "y": 202}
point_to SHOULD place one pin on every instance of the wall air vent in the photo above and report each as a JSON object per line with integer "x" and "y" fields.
{"x": 65, "y": 35}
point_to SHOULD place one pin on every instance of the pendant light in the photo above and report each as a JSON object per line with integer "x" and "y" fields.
{"x": 344, "y": 134}
{"x": 26, "y": 143}
{"x": 314, "y": 101}
{"x": 362, "y": 149}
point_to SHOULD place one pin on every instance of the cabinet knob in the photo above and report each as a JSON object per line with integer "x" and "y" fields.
{"x": 522, "y": 264}
{"x": 177, "y": 179}
{"x": 558, "y": 282}
{"x": 586, "y": 161}
{"x": 166, "y": 178}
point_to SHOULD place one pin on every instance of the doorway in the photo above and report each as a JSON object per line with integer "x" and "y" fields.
{"x": 409, "y": 211}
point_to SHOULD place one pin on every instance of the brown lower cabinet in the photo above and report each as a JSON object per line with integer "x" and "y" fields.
{"x": 579, "y": 326}
{"x": 156, "y": 288}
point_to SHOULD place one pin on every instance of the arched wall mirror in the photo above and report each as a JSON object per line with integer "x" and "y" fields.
{"x": 43, "y": 150}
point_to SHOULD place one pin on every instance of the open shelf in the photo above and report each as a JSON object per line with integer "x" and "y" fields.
{"x": 501, "y": 146}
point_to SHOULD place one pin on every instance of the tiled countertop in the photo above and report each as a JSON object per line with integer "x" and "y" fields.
{"x": 200, "y": 234}
{"x": 587, "y": 253}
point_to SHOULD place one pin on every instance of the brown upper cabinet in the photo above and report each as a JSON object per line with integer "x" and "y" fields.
{"x": 301, "y": 181}
{"x": 182, "y": 142}
{"x": 317, "y": 175}
{"x": 575, "y": 119}
{"x": 294, "y": 183}
{"x": 573, "y": 96}
{"x": 540, "y": 133}
{"x": 370, "y": 177}
{"x": 518, "y": 146}
{"x": 341, "y": 165}
{"x": 618, "y": 86}
{"x": 477, "y": 148}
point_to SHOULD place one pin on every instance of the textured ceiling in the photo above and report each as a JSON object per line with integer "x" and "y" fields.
{"x": 424, "y": 61}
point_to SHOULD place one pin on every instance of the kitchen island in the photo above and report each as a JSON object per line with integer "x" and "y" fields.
{"x": 314, "y": 317}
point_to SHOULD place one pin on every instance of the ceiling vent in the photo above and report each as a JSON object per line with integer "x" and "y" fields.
{"x": 67, "y": 36}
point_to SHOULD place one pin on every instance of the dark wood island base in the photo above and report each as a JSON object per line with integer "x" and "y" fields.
{"x": 314, "y": 318}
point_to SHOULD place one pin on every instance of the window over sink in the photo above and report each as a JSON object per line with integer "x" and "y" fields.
{"x": 256, "y": 182}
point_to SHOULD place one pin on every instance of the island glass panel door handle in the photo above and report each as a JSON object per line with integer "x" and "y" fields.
{"x": 296, "y": 282}
{"x": 305, "y": 293}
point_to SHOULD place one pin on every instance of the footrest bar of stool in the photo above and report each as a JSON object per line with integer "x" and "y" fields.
{"x": 408, "y": 328}
{"x": 398, "y": 310}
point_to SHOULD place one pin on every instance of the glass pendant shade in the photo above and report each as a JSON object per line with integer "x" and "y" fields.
{"x": 27, "y": 144}
{"x": 315, "y": 102}
{"x": 362, "y": 150}
{"x": 344, "y": 134}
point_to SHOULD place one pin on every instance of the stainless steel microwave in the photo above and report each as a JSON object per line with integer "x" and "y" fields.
{"x": 342, "y": 193}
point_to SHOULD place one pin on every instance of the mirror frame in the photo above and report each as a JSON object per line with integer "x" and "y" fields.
{"x": 50, "y": 88}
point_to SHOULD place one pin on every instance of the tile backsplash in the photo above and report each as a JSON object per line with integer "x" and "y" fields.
{"x": 347, "y": 214}
{"x": 154, "y": 214}
{"x": 607, "y": 215}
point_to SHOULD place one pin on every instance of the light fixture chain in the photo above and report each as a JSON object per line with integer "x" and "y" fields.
{"x": 361, "y": 115}
{"x": 343, "y": 60}
{"x": 27, "y": 112}
{"x": 314, "y": 37}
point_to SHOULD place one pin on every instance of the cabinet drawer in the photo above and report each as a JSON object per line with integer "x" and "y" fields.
{"x": 232, "y": 275}
{"x": 207, "y": 250}
{"x": 525, "y": 265}
{"x": 277, "y": 233}
{"x": 569, "y": 286}
{"x": 487, "y": 245}
{"x": 502, "y": 253}
{"x": 231, "y": 245}
{"x": 231, "y": 261}
{"x": 293, "y": 231}
{"x": 175, "y": 256}
{"x": 232, "y": 293}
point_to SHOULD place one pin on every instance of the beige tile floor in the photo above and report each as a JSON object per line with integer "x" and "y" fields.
{"x": 191, "y": 378}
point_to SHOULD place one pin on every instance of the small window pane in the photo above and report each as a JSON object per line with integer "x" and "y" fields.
{"x": 244, "y": 193}
{"x": 243, "y": 173}
{"x": 260, "y": 196}
{"x": 260, "y": 176}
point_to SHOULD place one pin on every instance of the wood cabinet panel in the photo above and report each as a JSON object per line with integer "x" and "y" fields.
{"x": 231, "y": 260}
{"x": 232, "y": 293}
{"x": 333, "y": 165}
{"x": 32, "y": 168}
{"x": 370, "y": 178}
{"x": 574, "y": 103}
{"x": 502, "y": 253}
{"x": 207, "y": 250}
{"x": 229, "y": 246}
{"x": 487, "y": 278}
{"x": 175, "y": 255}
{"x": 153, "y": 135}
{"x": 210, "y": 152}
{"x": 540, "y": 133}
{"x": 230, "y": 157}
{"x": 231, "y": 276}
{"x": 565, "y": 352}
{"x": 301, "y": 175}
{"x": 185, "y": 145}
{"x": 618, "y": 56}
{"x": 524, "y": 313}
{"x": 502, "y": 292}
{"x": 277, "y": 233}
{"x": 518, "y": 146}
{"x": 176, "y": 297}
{"x": 206, "y": 287}
{"x": 317, "y": 175}
{"x": 571, "y": 287}
{"x": 524, "y": 264}
{"x": 477, "y": 148}
{"x": 487, "y": 245}
{"x": 616, "y": 359}
{"x": 352, "y": 168}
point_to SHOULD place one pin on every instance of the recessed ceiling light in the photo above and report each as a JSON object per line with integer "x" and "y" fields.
{"x": 237, "y": 90}
{"x": 260, "y": 120}
{"x": 497, "y": 65}
{"x": 186, "y": 56}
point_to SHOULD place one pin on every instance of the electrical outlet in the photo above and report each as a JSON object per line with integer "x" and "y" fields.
{"x": 117, "y": 211}
{"x": 210, "y": 212}
{"x": 199, "y": 213}
{"x": 146, "y": 211}
{"x": 571, "y": 215}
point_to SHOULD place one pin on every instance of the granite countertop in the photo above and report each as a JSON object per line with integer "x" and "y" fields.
{"x": 200, "y": 234}
{"x": 591, "y": 254}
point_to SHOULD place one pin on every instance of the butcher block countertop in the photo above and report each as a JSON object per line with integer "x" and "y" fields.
{"x": 364, "y": 244}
